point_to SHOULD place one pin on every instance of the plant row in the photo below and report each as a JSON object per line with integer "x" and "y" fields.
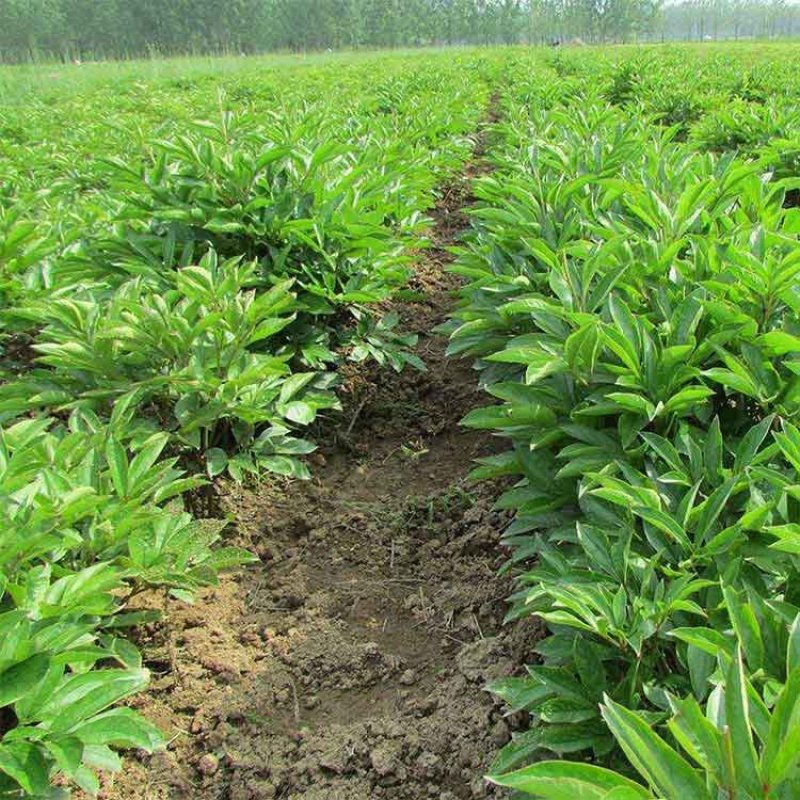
{"x": 631, "y": 303}
{"x": 185, "y": 320}
{"x": 740, "y": 99}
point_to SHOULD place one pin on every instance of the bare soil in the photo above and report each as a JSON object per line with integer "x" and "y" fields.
{"x": 349, "y": 664}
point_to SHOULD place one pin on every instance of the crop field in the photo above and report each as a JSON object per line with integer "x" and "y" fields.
{"x": 402, "y": 425}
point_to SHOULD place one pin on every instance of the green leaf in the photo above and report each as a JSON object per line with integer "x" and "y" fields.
{"x": 120, "y": 727}
{"x": 701, "y": 667}
{"x": 67, "y": 752}
{"x": 625, "y": 321}
{"x": 789, "y": 443}
{"x": 83, "y": 696}
{"x": 21, "y": 678}
{"x": 782, "y": 749}
{"x": 731, "y": 380}
{"x": 665, "y": 450}
{"x": 706, "y": 639}
{"x": 779, "y": 343}
{"x": 664, "y": 522}
{"x": 737, "y": 717}
{"x": 634, "y": 403}
{"x": 746, "y": 627}
{"x": 713, "y": 453}
{"x": 147, "y": 455}
{"x": 793, "y": 647}
{"x": 101, "y": 757}
{"x": 216, "y": 461}
{"x": 697, "y": 735}
{"x": 118, "y": 466}
{"x": 788, "y": 536}
{"x": 667, "y": 773}
{"x": 519, "y": 693}
{"x": 285, "y": 465}
{"x": 751, "y": 442}
{"x": 589, "y": 667}
{"x": 508, "y": 416}
{"x": 24, "y": 763}
{"x": 711, "y": 509}
{"x": 519, "y": 750}
{"x": 562, "y": 780}
{"x": 686, "y": 399}
{"x": 299, "y": 412}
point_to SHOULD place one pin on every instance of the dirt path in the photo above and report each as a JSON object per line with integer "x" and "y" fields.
{"x": 349, "y": 664}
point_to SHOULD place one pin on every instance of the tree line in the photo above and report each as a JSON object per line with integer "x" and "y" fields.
{"x": 103, "y": 29}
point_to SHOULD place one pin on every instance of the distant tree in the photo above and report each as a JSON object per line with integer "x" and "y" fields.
{"x": 34, "y": 29}
{"x": 30, "y": 29}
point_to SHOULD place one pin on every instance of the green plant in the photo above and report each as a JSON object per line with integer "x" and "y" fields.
{"x": 744, "y": 745}
{"x": 83, "y": 529}
{"x": 22, "y": 247}
{"x": 629, "y": 304}
{"x": 193, "y": 360}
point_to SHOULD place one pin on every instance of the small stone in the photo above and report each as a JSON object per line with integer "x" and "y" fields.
{"x": 293, "y": 601}
{"x": 267, "y": 552}
{"x": 335, "y": 761}
{"x": 318, "y": 459}
{"x": 223, "y": 671}
{"x": 500, "y": 733}
{"x": 430, "y": 764}
{"x": 208, "y": 764}
{"x": 479, "y": 788}
{"x": 482, "y": 660}
{"x": 408, "y": 678}
{"x": 384, "y": 760}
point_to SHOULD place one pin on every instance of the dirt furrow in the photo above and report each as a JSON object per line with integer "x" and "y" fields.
{"x": 349, "y": 663}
